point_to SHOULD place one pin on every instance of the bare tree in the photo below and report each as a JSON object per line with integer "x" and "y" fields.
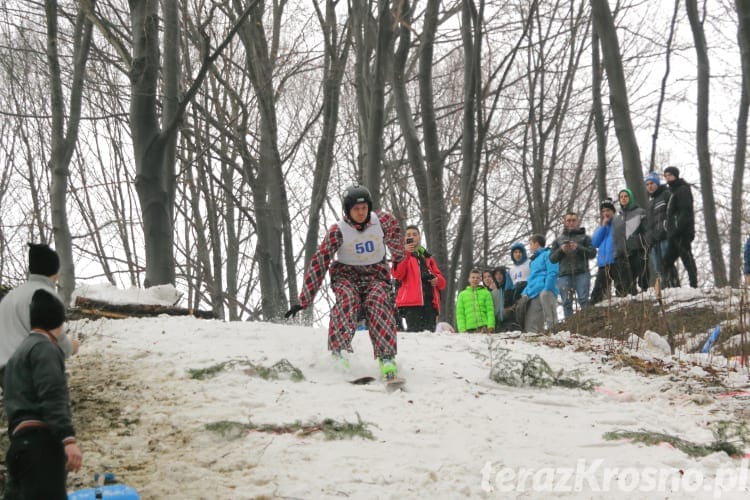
{"x": 376, "y": 107}
{"x": 435, "y": 211}
{"x": 64, "y": 135}
{"x": 618, "y": 96}
{"x": 335, "y": 56}
{"x": 704, "y": 156}
{"x": 155, "y": 123}
{"x": 269, "y": 189}
{"x": 598, "y": 112}
{"x": 735, "y": 226}
{"x": 667, "y": 69}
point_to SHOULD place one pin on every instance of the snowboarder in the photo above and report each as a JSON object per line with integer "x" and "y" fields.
{"x": 360, "y": 277}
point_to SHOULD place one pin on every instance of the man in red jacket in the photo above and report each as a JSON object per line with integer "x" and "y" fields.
{"x": 420, "y": 282}
{"x": 354, "y": 252}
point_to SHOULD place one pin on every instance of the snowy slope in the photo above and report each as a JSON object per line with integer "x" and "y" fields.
{"x": 454, "y": 433}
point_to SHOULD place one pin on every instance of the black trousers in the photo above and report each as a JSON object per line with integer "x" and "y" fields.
{"x": 679, "y": 247}
{"x": 36, "y": 464}
{"x": 419, "y": 318}
{"x": 602, "y": 284}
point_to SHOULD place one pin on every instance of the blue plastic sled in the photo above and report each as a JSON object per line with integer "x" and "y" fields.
{"x": 109, "y": 492}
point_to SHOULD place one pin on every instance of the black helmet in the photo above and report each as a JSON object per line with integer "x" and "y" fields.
{"x": 356, "y": 194}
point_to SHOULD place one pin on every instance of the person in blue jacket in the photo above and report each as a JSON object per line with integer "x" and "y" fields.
{"x": 541, "y": 288}
{"x": 605, "y": 258}
{"x": 746, "y": 265}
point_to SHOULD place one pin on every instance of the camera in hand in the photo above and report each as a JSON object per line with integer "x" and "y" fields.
{"x": 409, "y": 240}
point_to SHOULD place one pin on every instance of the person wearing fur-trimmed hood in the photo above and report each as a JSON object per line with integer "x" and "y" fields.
{"x": 630, "y": 246}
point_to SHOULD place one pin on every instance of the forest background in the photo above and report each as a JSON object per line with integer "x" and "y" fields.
{"x": 206, "y": 144}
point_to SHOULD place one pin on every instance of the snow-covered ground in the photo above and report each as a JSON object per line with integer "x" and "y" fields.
{"x": 452, "y": 433}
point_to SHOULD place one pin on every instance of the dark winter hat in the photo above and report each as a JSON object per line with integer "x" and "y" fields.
{"x": 607, "y": 204}
{"x": 46, "y": 311}
{"x": 672, "y": 170}
{"x": 652, "y": 177}
{"x": 43, "y": 260}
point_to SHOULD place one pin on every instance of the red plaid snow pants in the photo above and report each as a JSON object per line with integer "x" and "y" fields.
{"x": 375, "y": 296}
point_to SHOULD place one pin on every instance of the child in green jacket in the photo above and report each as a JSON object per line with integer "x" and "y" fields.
{"x": 475, "y": 311}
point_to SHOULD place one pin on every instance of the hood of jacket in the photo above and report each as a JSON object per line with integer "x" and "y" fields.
{"x": 521, "y": 247}
{"x": 631, "y": 202}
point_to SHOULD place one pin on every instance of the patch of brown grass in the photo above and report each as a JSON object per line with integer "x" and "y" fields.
{"x": 619, "y": 321}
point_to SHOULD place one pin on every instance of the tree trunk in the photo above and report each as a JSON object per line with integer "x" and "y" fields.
{"x": 64, "y": 138}
{"x": 403, "y": 107}
{"x": 334, "y": 62}
{"x": 471, "y": 35}
{"x": 596, "y": 106}
{"x": 269, "y": 192}
{"x": 376, "y": 118}
{"x": 154, "y": 154}
{"x": 365, "y": 38}
{"x": 435, "y": 215}
{"x": 618, "y": 98}
{"x": 735, "y": 224}
{"x": 704, "y": 156}
{"x": 735, "y": 230}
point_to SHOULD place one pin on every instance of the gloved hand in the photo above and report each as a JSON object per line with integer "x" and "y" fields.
{"x": 293, "y": 311}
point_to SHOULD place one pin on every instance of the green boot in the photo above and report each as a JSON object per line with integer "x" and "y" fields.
{"x": 388, "y": 368}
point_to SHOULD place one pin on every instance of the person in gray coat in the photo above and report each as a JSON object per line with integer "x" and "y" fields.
{"x": 630, "y": 246}
{"x": 573, "y": 250}
{"x": 44, "y": 265}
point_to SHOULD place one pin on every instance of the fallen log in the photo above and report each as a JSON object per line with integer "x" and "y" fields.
{"x": 94, "y": 309}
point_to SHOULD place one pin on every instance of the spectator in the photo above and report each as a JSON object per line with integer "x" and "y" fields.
{"x": 474, "y": 308}
{"x": 498, "y": 295}
{"x": 746, "y": 266}
{"x": 420, "y": 282}
{"x": 572, "y": 250}
{"x": 490, "y": 284}
{"x": 360, "y": 277}
{"x": 680, "y": 225}
{"x": 504, "y": 320}
{"x": 605, "y": 257}
{"x": 630, "y": 248}
{"x": 541, "y": 291}
{"x": 44, "y": 265}
{"x": 519, "y": 270}
{"x": 42, "y": 438}
{"x": 656, "y": 233}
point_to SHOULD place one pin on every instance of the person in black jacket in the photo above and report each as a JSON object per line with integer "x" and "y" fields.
{"x": 573, "y": 250}
{"x": 656, "y": 232}
{"x": 42, "y": 438}
{"x": 680, "y": 225}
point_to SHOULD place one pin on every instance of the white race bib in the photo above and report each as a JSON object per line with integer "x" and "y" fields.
{"x": 361, "y": 248}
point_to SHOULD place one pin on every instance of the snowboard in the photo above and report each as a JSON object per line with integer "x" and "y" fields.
{"x": 391, "y": 384}
{"x": 395, "y": 384}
